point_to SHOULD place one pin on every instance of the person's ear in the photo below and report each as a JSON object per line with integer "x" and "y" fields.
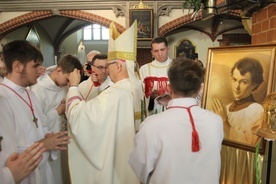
{"x": 254, "y": 86}
{"x": 17, "y": 67}
{"x": 170, "y": 89}
{"x": 152, "y": 54}
{"x": 119, "y": 67}
{"x": 59, "y": 70}
{"x": 200, "y": 92}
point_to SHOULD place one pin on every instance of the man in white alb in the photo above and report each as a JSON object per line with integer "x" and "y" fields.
{"x": 183, "y": 143}
{"x": 51, "y": 89}
{"x": 25, "y": 123}
{"x": 154, "y": 75}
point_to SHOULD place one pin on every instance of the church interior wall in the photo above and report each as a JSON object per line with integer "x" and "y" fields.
{"x": 200, "y": 40}
{"x": 5, "y": 16}
{"x": 46, "y": 45}
{"x": 174, "y": 14}
{"x": 109, "y": 14}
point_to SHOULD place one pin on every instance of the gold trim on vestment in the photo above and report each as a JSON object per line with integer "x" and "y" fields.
{"x": 165, "y": 66}
{"x": 122, "y": 55}
{"x": 137, "y": 115}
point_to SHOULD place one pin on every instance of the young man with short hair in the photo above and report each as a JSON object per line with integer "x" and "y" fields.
{"x": 51, "y": 89}
{"x": 154, "y": 74}
{"x": 183, "y": 143}
{"x": 25, "y": 123}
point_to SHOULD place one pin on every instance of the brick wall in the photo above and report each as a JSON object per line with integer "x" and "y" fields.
{"x": 264, "y": 25}
{"x": 144, "y": 56}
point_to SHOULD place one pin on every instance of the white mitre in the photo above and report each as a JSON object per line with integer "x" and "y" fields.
{"x": 124, "y": 47}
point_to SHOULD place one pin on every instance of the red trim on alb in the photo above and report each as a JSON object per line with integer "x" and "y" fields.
{"x": 195, "y": 137}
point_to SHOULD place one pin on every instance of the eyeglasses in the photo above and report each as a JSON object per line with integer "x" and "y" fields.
{"x": 108, "y": 64}
{"x": 99, "y": 67}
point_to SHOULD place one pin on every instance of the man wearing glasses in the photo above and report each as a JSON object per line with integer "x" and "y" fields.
{"x": 98, "y": 81}
{"x": 86, "y": 67}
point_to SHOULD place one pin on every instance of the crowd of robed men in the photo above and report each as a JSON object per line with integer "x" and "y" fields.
{"x": 99, "y": 119}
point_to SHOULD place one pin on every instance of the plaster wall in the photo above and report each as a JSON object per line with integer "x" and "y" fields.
{"x": 5, "y": 16}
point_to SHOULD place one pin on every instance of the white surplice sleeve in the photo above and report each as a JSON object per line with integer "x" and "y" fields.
{"x": 8, "y": 143}
{"x": 86, "y": 121}
{"x": 51, "y": 117}
{"x": 140, "y": 160}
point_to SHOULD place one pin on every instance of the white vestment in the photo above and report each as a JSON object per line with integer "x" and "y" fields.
{"x": 88, "y": 91}
{"x": 19, "y": 131}
{"x": 155, "y": 69}
{"x": 50, "y": 95}
{"x": 102, "y": 131}
{"x": 163, "y": 146}
{"x": 244, "y": 123}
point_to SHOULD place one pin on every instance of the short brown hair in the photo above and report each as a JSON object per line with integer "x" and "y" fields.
{"x": 185, "y": 76}
{"x": 68, "y": 63}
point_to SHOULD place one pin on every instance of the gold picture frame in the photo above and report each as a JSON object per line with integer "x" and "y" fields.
{"x": 219, "y": 97}
{"x": 144, "y": 19}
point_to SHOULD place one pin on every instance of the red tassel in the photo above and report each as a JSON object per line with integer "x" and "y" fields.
{"x": 195, "y": 141}
{"x": 195, "y": 137}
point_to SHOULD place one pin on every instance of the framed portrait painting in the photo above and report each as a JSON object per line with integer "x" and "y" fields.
{"x": 144, "y": 19}
{"x": 185, "y": 48}
{"x": 237, "y": 81}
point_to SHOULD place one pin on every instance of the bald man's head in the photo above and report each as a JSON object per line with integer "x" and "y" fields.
{"x": 91, "y": 54}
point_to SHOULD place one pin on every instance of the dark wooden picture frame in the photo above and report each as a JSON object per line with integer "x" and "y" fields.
{"x": 144, "y": 19}
{"x": 185, "y": 48}
{"x": 219, "y": 87}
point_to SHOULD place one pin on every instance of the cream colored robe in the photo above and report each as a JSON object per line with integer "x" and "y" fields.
{"x": 244, "y": 123}
{"x": 154, "y": 69}
{"x": 88, "y": 91}
{"x": 102, "y": 131}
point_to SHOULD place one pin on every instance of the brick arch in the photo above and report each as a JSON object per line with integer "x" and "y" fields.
{"x": 90, "y": 17}
{"x": 177, "y": 23}
{"x": 21, "y": 20}
{"x": 186, "y": 19}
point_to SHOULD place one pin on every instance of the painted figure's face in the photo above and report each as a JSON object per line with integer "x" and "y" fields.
{"x": 242, "y": 85}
